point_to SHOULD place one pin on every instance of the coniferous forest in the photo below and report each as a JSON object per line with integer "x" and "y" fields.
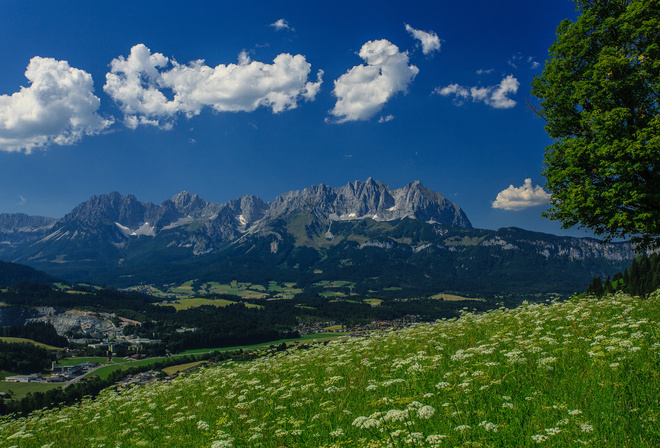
{"x": 640, "y": 279}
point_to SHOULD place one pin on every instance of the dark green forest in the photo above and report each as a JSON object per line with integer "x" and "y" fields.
{"x": 640, "y": 279}
{"x": 36, "y": 331}
{"x": 23, "y": 357}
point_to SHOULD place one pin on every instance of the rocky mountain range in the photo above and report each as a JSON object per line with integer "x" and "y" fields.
{"x": 297, "y": 235}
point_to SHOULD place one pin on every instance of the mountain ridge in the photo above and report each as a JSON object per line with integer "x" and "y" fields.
{"x": 360, "y": 227}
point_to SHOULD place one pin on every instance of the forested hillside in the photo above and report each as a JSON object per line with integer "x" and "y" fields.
{"x": 640, "y": 279}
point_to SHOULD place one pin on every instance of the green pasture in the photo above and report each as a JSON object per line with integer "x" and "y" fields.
{"x": 181, "y": 367}
{"x": 453, "y": 297}
{"x": 20, "y": 390}
{"x": 185, "y": 304}
{"x": 99, "y": 359}
{"x": 28, "y": 341}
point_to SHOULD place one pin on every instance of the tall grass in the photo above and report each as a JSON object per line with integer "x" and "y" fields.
{"x": 563, "y": 374}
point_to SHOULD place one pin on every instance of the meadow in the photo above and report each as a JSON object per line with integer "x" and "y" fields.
{"x": 582, "y": 372}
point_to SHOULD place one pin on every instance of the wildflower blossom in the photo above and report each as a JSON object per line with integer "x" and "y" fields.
{"x": 365, "y": 422}
{"x": 539, "y": 438}
{"x": 425, "y": 412}
{"x": 488, "y": 426}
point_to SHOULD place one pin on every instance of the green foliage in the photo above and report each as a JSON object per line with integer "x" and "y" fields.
{"x": 23, "y": 357}
{"x": 600, "y": 97}
{"x": 11, "y": 273}
{"x": 640, "y": 279}
{"x": 39, "y": 332}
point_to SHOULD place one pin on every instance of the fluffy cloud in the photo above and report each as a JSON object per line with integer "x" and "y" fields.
{"x": 522, "y": 197}
{"x": 59, "y": 107}
{"x": 495, "y": 96}
{"x": 149, "y": 92}
{"x": 281, "y": 25}
{"x": 429, "y": 40}
{"x": 460, "y": 93}
{"x": 364, "y": 89}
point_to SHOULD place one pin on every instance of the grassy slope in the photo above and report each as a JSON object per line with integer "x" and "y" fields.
{"x": 582, "y": 372}
{"x": 20, "y": 390}
{"x": 29, "y": 341}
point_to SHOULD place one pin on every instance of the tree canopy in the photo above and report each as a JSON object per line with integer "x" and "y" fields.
{"x": 599, "y": 96}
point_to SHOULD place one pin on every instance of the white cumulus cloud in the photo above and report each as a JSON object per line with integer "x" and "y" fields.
{"x": 364, "y": 89}
{"x": 429, "y": 40}
{"x": 59, "y": 107}
{"x": 460, "y": 93}
{"x": 521, "y": 197}
{"x": 152, "y": 89}
{"x": 497, "y": 96}
{"x": 281, "y": 24}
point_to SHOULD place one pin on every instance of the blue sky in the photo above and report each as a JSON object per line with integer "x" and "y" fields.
{"x": 230, "y": 98}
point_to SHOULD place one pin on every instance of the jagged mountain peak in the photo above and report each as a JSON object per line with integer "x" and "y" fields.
{"x": 126, "y": 210}
{"x": 370, "y": 199}
{"x": 187, "y": 203}
{"x": 187, "y": 220}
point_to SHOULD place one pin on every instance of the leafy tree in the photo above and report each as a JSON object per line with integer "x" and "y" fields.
{"x": 599, "y": 95}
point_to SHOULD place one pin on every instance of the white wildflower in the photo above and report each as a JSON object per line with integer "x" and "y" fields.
{"x": 425, "y": 412}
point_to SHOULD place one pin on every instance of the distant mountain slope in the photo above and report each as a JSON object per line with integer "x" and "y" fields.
{"x": 19, "y": 228}
{"x": 12, "y": 273}
{"x": 367, "y": 232}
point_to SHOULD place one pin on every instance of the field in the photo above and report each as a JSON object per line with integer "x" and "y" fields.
{"x": 243, "y": 290}
{"x": 20, "y": 390}
{"x": 29, "y": 341}
{"x": 181, "y": 367}
{"x": 184, "y": 304}
{"x": 451, "y": 297}
{"x": 578, "y": 373}
{"x": 99, "y": 359}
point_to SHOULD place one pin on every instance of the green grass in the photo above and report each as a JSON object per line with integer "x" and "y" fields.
{"x": 181, "y": 367}
{"x": 452, "y": 297}
{"x": 104, "y": 372}
{"x": 99, "y": 359}
{"x": 464, "y": 241}
{"x": 20, "y": 390}
{"x": 562, "y": 374}
{"x": 265, "y": 345}
{"x": 29, "y": 341}
{"x": 332, "y": 294}
{"x": 185, "y": 304}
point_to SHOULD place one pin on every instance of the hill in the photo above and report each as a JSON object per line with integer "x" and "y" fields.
{"x": 12, "y": 273}
{"x": 573, "y": 373}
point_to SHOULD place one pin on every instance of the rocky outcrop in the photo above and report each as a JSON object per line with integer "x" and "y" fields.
{"x": 373, "y": 200}
{"x": 19, "y": 228}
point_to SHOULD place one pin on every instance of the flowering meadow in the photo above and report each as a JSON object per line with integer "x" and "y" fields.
{"x": 562, "y": 374}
